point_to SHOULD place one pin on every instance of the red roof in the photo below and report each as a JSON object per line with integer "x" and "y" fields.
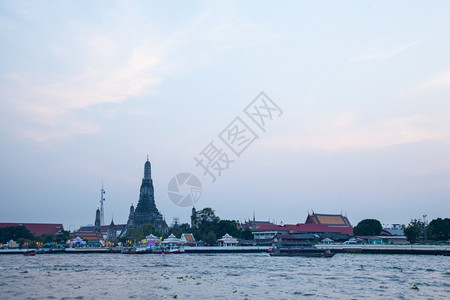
{"x": 304, "y": 228}
{"x": 37, "y": 228}
{"x": 250, "y": 224}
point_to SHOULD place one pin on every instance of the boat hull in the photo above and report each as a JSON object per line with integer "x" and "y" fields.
{"x": 30, "y": 253}
{"x": 168, "y": 251}
{"x": 307, "y": 252}
{"x": 133, "y": 250}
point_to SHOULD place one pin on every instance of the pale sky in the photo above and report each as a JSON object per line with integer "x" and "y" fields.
{"x": 89, "y": 88}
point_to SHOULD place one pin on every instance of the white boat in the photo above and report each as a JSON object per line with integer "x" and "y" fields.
{"x": 134, "y": 250}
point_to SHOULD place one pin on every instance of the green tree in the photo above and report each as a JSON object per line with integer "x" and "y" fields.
{"x": 439, "y": 229}
{"x": 210, "y": 238}
{"x": 205, "y": 216}
{"x": 414, "y": 230}
{"x": 227, "y": 226}
{"x": 176, "y": 231}
{"x": 205, "y": 222}
{"x": 208, "y": 227}
{"x": 25, "y": 243}
{"x": 246, "y": 234}
{"x": 148, "y": 229}
{"x": 15, "y": 233}
{"x": 46, "y": 238}
{"x": 137, "y": 234}
{"x": 368, "y": 227}
{"x": 185, "y": 227}
{"x": 145, "y": 230}
{"x": 62, "y": 237}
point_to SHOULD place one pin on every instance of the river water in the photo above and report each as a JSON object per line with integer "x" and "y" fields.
{"x": 223, "y": 276}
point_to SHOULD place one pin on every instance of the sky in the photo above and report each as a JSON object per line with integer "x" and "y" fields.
{"x": 88, "y": 89}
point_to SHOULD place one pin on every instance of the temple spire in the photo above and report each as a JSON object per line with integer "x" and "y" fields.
{"x": 145, "y": 211}
{"x": 147, "y": 170}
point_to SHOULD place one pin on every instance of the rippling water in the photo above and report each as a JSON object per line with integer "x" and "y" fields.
{"x": 225, "y": 276}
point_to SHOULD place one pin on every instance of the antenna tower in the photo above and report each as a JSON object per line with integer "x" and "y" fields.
{"x": 102, "y": 210}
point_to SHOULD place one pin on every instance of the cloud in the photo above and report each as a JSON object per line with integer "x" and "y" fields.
{"x": 47, "y": 136}
{"x": 230, "y": 29}
{"x": 104, "y": 77}
{"x": 438, "y": 82}
{"x": 94, "y": 65}
{"x": 100, "y": 83}
{"x": 377, "y": 54}
{"x": 348, "y": 132}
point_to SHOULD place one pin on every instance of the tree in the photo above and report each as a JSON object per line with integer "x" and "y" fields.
{"x": 62, "y": 237}
{"x": 180, "y": 229}
{"x": 14, "y": 233}
{"x": 176, "y": 231}
{"x": 414, "y": 230}
{"x": 208, "y": 227}
{"x": 227, "y": 226}
{"x": 210, "y": 238}
{"x": 137, "y": 234}
{"x": 25, "y": 243}
{"x": 246, "y": 234}
{"x": 46, "y": 238}
{"x": 145, "y": 230}
{"x": 439, "y": 229}
{"x": 205, "y": 215}
{"x": 148, "y": 229}
{"x": 205, "y": 222}
{"x": 368, "y": 227}
{"x": 185, "y": 227}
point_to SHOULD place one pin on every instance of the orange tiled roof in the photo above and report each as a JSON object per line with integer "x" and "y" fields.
{"x": 335, "y": 220}
{"x": 189, "y": 237}
{"x": 89, "y": 236}
{"x": 332, "y": 220}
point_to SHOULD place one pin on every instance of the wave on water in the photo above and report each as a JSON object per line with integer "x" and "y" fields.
{"x": 232, "y": 276}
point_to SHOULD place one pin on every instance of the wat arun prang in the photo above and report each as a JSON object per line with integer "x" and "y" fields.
{"x": 146, "y": 211}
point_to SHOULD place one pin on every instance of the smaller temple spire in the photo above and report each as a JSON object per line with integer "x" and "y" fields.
{"x": 97, "y": 220}
{"x": 148, "y": 158}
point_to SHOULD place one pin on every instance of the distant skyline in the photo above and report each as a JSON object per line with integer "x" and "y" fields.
{"x": 88, "y": 89}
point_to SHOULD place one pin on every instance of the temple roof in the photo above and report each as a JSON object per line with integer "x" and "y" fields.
{"x": 88, "y": 236}
{"x": 228, "y": 239}
{"x": 187, "y": 237}
{"x": 303, "y": 228}
{"x": 103, "y": 228}
{"x": 152, "y": 237}
{"x": 171, "y": 239}
{"x": 328, "y": 219}
{"x": 37, "y": 228}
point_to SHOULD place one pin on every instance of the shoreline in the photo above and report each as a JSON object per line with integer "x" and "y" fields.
{"x": 443, "y": 250}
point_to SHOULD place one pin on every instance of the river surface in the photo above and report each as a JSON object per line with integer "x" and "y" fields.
{"x": 223, "y": 276}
